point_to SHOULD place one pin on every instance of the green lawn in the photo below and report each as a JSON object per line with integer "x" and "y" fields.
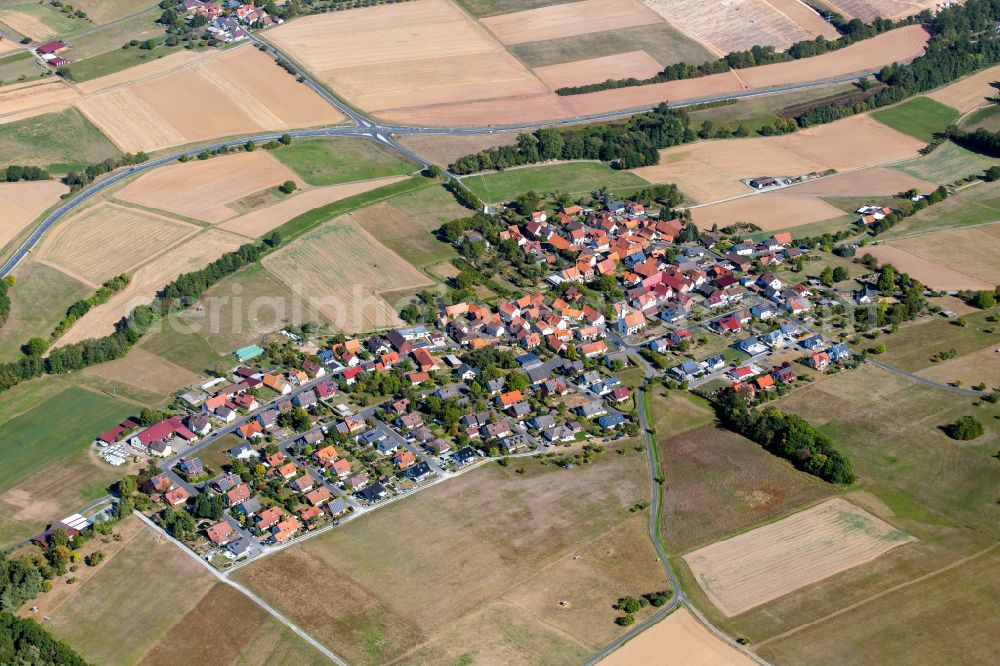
{"x": 20, "y": 66}
{"x": 567, "y": 178}
{"x": 56, "y": 427}
{"x": 978, "y": 204}
{"x": 61, "y": 141}
{"x": 188, "y": 350}
{"x": 342, "y": 160}
{"x": 946, "y": 164}
{"x": 38, "y": 301}
{"x": 921, "y": 117}
{"x": 408, "y": 228}
{"x": 115, "y": 60}
{"x": 664, "y": 43}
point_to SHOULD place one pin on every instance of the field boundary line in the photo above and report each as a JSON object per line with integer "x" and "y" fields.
{"x": 894, "y": 588}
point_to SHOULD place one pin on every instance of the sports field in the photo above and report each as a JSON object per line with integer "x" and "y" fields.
{"x": 60, "y": 141}
{"x": 342, "y": 269}
{"x": 921, "y": 117}
{"x": 25, "y": 201}
{"x": 342, "y": 160}
{"x": 378, "y": 591}
{"x": 568, "y": 178}
{"x": 711, "y": 170}
{"x": 204, "y": 189}
{"x": 108, "y": 239}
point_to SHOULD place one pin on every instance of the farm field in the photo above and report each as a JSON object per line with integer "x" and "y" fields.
{"x": 970, "y": 92}
{"x": 770, "y": 212}
{"x": 971, "y": 249}
{"x": 683, "y": 640}
{"x": 861, "y": 183}
{"x": 32, "y": 98}
{"x": 205, "y": 189}
{"x": 107, "y": 240}
{"x": 25, "y": 201}
{"x": 481, "y": 8}
{"x": 946, "y": 164}
{"x": 340, "y": 269}
{"x": 468, "y": 65}
{"x": 514, "y": 537}
{"x": 571, "y": 178}
{"x": 930, "y": 265}
{"x": 145, "y": 372}
{"x": 664, "y": 43}
{"x": 61, "y": 141}
{"x": 197, "y": 252}
{"x": 726, "y": 27}
{"x": 39, "y": 21}
{"x": 921, "y": 117}
{"x": 19, "y": 67}
{"x": 259, "y": 222}
{"x": 105, "y": 11}
{"x": 987, "y": 118}
{"x": 445, "y": 149}
{"x": 745, "y": 485}
{"x": 118, "y": 59}
{"x": 979, "y": 204}
{"x": 406, "y": 224}
{"x": 869, "y": 10}
{"x": 341, "y": 160}
{"x": 711, "y": 170}
{"x": 148, "y": 70}
{"x": 38, "y": 301}
{"x": 739, "y": 573}
{"x": 637, "y": 64}
{"x": 568, "y": 20}
{"x": 236, "y": 92}
{"x": 141, "y": 26}
{"x": 971, "y": 369}
{"x": 913, "y": 346}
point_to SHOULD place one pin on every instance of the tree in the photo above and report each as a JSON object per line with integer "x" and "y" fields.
{"x": 964, "y": 429}
{"x": 126, "y": 486}
{"x": 984, "y": 300}
{"x": 207, "y": 505}
{"x": 826, "y": 277}
{"x": 840, "y": 274}
{"x": 285, "y": 139}
{"x": 148, "y": 417}
{"x": 288, "y": 186}
{"x": 250, "y": 146}
{"x": 433, "y": 171}
{"x": 887, "y": 281}
{"x": 628, "y": 605}
{"x": 35, "y": 347}
{"x": 992, "y": 174}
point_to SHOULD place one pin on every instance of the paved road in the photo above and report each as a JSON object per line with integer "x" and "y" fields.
{"x": 928, "y": 382}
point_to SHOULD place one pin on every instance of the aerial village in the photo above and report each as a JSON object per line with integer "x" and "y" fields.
{"x": 316, "y": 431}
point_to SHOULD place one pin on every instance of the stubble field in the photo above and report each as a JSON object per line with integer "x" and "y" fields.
{"x": 568, "y": 20}
{"x": 768, "y": 211}
{"x": 864, "y": 182}
{"x": 869, "y": 10}
{"x": 23, "y": 202}
{"x": 32, "y": 98}
{"x": 951, "y": 259}
{"x": 712, "y": 170}
{"x": 638, "y": 64}
{"x": 108, "y": 239}
{"x": 743, "y": 572}
{"x": 970, "y": 92}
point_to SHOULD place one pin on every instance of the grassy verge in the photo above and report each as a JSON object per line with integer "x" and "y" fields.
{"x": 323, "y": 161}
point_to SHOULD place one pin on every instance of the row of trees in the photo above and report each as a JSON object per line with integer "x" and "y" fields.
{"x": 177, "y": 295}
{"x": 980, "y": 141}
{"x": 633, "y": 143}
{"x": 5, "y": 285}
{"x": 14, "y": 173}
{"x": 851, "y": 31}
{"x": 83, "y": 306}
{"x": 77, "y": 179}
{"x": 786, "y": 435}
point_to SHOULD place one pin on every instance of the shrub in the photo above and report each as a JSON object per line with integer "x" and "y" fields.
{"x": 964, "y": 429}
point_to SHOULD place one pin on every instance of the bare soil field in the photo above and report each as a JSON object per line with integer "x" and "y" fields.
{"x": 202, "y": 189}
{"x": 770, "y": 561}
{"x": 23, "y": 202}
{"x": 32, "y": 98}
{"x": 195, "y": 253}
{"x": 736, "y": 26}
{"x": 107, "y": 240}
{"x": 341, "y": 269}
{"x": 929, "y": 271}
{"x": 861, "y": 183}
{"x": 899, "y": 45}
{"x": 679, "y": 640}
{"x": 568, "y": 20}
{"x": 969, "y": 93}
{"x": 259, "y": 222}
{"x": 719, "y": 483}
{"x": 375, "y": 590}
{"x": 466, "y": 63}
{"x": 638, "y": 64}
{"x": 766, "y": 211}
{"x": 238, "y": 92}
{"x": 146, "y": 371}
{"x": 711, "y": 170}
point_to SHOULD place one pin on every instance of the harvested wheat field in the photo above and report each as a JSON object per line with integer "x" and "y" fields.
{"x": 382, "y": 57}
{"x": 197, "y": 252}
{"x": 146, "y": 371}
{"x": 504, "y": 111}
{"x": 238, "y": 92}
{"x": 340, "y": 269}
{"x": 446, "y": 148}
{"x": 7, "y": 45}
{"x": 969, "y": 93}
{"x": 708, "y": 171}
{"x": 259, "y": 222}
{"x": 25, "y": 201}
{"x": 108, "y": 239}
{"x": 146, "y": 70}
{"x": 569, "y": 19}
{"x": 770, "y": 561}
{"x": 678, "y": 640}
{"x": 32, "y": 98}
{"x": 723, "y": 26}
{"x": 26, "y": 24}
{"x": 638, "y": 97}
{"x": 202, "y": 189}
{"x": 869, "y": 10}
{"x": 861, "y": 183}
{"x": 766, "y": 211}
{"x": 962, "y": 258}
{"x": 899, "y": 45}
{"x": 638, "y": 64}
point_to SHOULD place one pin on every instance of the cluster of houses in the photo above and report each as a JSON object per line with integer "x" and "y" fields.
{"x": 228, "y": 20}
{"x": 867, "y": 214}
